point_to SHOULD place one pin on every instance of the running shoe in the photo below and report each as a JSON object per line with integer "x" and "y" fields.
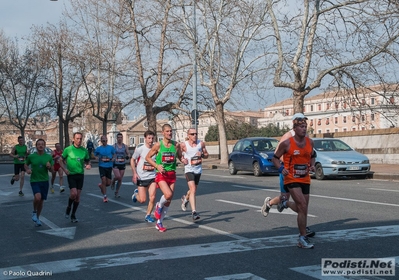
{"x": 134, "y": 199}
{"x": 149, "y": 219}
{"x": 38, "y": 223}
{"x": 105, "y": 199}
{"x": 34, "y": 216}
{"x": 160, "y": 227}
{"x": 280, "y": 205}
{"x": 195, "y": 216}
{"x": 12, "y": 180}
{"x": 303, "y": 242}
{"x": 158, "y": 211}
{"x": 67, "y": 212}
{"x": 52, "y": 189}
{"x": 21, "y": 193}
{"x": 117, "y": 195}
{"x": 74, "y": 219}
{"x": 184, "y": 203}
{"x": 310, "y": 233}
{"x": 62, "y": 189}
{"x": 266, "y": 207}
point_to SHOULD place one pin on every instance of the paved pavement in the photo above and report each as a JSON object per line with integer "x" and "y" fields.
{"x": 378, "y": 171}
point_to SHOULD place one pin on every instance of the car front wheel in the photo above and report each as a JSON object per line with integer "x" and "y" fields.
{"x": 232, "y": 168}
{"x": 256, "y": 168}
{"x": 319, "y": 174}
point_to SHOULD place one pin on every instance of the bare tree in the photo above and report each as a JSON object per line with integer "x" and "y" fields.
{"x": 161, "y": 63}
{"x": 102, "y": 25}
{"x": 61, "y": 50}
{"x": 22, "y": 83}
{"x": 344, "y": 43}
{"x": 228, "y": 52}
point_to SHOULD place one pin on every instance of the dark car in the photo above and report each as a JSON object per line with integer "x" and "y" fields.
{"x": 253, "y": 154}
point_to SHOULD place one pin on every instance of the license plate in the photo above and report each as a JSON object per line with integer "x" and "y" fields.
{"x": 353, "y": 168}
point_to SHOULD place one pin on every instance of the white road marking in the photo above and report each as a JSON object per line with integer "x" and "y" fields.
{"x": 221, "y": 232}
{"x": 272, "y": 210}
{"x": 384, "y": 190}
{"x": 244, "y": 276}
{"x": 68, "y": 232}
{"x": 324, "y": 196}
{"x": 315, "y": 272}
{"x": 197, "y": 250}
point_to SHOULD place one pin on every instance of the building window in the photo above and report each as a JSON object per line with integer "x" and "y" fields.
{"x": 319, "y": 122}
{"x": 336, "y": 120}
{"x": 336, "y": 130}
{"x": 319, "y": 107}
{"x": 344, "y": 104}
{"x": 363, "y": 101}
{"x": 372, "y": 100}
{"x": 327, "y": 131}
{"x": 327, "y": 121}
{"x": 328, "y": 106}
{"x": 311, "y": 108}
{"x": 311, "y": 122}
{"x": 141, "y": 140}
{"x": 344, "y": 130}
{"x": 353, "y": 119}
{"x": 336, "y": 105}
{"x": 392, "y": 100}
{"x": 372, "y": 117}
{"x": 344, "y": 119}
{"x": 319, "y": 131}
{"x": 131, "y": 141}
{"x": 353, "y": 128}
{"x": 363, "y": 118}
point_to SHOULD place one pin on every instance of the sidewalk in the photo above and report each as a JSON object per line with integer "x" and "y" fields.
{"x": 388, "y": 172}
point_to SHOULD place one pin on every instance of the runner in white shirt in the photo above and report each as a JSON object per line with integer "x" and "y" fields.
{"x": 193, "y": 152}
{"x": 144, "y": 175}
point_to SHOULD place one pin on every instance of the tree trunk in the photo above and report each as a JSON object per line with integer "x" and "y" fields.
{"x": 224, "y": 152}
{"x": 299, "y": 98}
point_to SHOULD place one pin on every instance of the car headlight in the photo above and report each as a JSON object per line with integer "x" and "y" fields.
{"x": 366, "y": 161}
{"x": 339, "y": 162}
{"x": 265, "y": 156}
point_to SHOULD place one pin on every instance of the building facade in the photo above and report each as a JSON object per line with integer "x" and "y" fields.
{"x": 340, "y": 111}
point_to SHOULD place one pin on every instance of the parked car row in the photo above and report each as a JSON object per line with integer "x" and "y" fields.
{"x": 334, "y": 158}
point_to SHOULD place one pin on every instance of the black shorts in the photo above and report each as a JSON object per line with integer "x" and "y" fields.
{"x": 190, "y": 176}
{"x": 305, "y": 187}
{"x": 75, "y": 181}
{"x": 120, "y": 166}
{"x": 18, "y": 168}
{"x": 105, "y": 171}
{"x": 145, "y": 183}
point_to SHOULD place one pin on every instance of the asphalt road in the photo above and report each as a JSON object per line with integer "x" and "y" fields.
{"x": 352, "y": 218}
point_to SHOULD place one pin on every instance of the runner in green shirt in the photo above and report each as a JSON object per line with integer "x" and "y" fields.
{"x": 19, "y": 153}
{"x": 75, "y": 159}
{"x": 41, "y": 164}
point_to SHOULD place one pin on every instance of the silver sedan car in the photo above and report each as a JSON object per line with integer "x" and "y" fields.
{"x": 336, "y": 158}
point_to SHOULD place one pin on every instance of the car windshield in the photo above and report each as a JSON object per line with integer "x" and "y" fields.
{"x": 265, "y": 145}
{"x": 331, "y": 145}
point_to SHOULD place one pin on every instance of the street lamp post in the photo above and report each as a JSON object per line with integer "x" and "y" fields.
{"x": 194, "y": 113}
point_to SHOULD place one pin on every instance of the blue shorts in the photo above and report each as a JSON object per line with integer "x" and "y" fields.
{"x": 40, "y": 187}
{"x": 282, "y": 190}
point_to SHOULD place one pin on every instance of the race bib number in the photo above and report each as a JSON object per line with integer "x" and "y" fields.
{"x": 120, "y": 159}
{"x": 168, "y": 157}
{"x": 148, "y": 167}
{"x": 300, "y": 170}
{"x": 196, "y": 160}
{"x": 21, "y": 158}
{"x": 104, "y": 159}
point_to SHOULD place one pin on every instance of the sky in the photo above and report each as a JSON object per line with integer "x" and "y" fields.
{"x": 18, "y": 16}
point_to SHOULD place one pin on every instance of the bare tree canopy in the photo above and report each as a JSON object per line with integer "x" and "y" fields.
{"x": 344, "y": 43}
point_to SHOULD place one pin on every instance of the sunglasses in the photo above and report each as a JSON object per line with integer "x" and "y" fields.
{"x": 301, "y": 119}
{"x": 193, "y": 133}
{"x": 103, "y": 140}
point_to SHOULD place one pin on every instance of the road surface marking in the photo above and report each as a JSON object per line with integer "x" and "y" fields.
{"x": 324, "y": 196}
{"x": 68, "y": 232}
{"x": 198, "y": 250}
{"x": 384, "y": 190}
{"x": 244, "y": 276}
{"x": 221, "y": 232}
{"x": 272, "y": 210}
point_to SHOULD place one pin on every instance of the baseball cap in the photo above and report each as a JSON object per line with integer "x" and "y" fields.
{"x": 299, "y": 116}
